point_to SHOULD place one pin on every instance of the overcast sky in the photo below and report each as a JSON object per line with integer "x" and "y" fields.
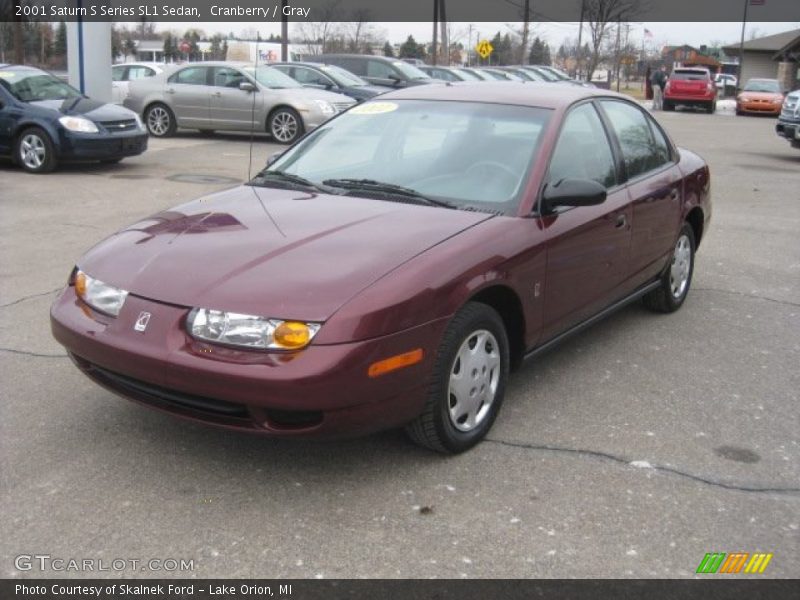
{"x": 693, "y": 34}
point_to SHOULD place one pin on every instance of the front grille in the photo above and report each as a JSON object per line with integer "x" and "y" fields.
{"x": 120, "y": 126}
{"x": 342, "y": 106}
{"x": 172, "y": 398}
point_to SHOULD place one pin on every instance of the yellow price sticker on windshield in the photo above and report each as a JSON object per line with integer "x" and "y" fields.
{"x": 6, "y": 74}
{"x": 374, "y": 108}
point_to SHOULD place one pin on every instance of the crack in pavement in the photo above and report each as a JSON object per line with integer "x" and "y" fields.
{"x": 24, "y": 298}
{"x": 620, "y": 460}
{"x": 33, "y": 354}
{"x": 746, "y": 295}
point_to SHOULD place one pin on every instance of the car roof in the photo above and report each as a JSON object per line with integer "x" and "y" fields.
{"x": 521, "y": 93}
{"x": 361, "y": 56}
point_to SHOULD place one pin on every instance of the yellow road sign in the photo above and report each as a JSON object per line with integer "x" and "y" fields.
{"x": 484, "y": 48}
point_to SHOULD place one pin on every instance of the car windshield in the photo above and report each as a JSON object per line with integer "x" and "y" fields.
{"x": 409, "y": 71}
{"x": 556, "y": 73}
{"x": 545, "y": 74}
{"x": 472, "y": 155}
{"x": 763, "y": 85}
{"x": 342, "y": 76}
{"x": 467, "y": 75}
{"x": 271, "y": 77}
{"x": 30, "y": 85}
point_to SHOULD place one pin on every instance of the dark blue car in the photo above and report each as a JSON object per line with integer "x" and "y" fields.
{"x": 332, "y": 78}
{"x": 44, "y": 121}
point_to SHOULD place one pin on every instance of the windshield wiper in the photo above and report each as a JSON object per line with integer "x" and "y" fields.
{"x": 265, "y": 177}
{"x": 370, "y": 185}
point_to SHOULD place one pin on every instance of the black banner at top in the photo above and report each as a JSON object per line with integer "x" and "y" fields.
{"x": 401, "y": 10}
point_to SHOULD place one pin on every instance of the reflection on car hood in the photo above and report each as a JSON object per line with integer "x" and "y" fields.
{"x": 270, "y": 252}
{"x": 86, "y": 107}
{"x": 311, "y": 94}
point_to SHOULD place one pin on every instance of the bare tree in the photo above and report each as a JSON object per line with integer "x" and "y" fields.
{"x": 601, "y": 15}
{"x": 319, "y": 35}
{"x": 526, "y": 15}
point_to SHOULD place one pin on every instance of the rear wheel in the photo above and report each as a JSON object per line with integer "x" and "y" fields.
{"x": 160, "y": 120}
{"x": 34, "y": 151}
{"x": 676, "y": 280}
{"x": 468, "y": 382}
{"x": 712, "y": 107}
{"x": 668, "y": 106}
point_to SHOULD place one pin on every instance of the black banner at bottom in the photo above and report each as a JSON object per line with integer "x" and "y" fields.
{"x": 407, "y": 589}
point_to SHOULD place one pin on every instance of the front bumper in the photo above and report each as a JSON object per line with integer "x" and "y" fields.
{"x": 788, "y": 128}
{"x": 764, "y": 108}
{"x": 101, "y": 146}
{"x": 322, "y": 391}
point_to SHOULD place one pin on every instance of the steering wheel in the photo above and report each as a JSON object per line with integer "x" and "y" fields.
{"x": 494, "y": 167}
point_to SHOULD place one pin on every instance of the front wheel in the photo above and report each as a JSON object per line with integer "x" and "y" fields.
{"x": 676, "y": 280}
{"x": 468, "y": 382}
{"x": 285, "y": 125}
{"x": 712, "y": 107}
{"x": 34, "y": 151}
{"x": 160, "y": 120}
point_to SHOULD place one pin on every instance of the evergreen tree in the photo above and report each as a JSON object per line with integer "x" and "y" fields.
{"x": 60, "y": 44}
{"x": 388, "y": 50}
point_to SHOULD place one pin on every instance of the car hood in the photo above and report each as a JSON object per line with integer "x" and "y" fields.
{"x": 269, "y": 252}
{"x": 761, "y": 96}
{"x": 86, "y": 107}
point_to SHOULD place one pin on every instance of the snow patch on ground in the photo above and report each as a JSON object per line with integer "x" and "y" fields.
{"x": 640, "y": 464}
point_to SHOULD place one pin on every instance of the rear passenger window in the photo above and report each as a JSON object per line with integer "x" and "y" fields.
{"x": 376, "y": 68}
{"x": 582, "y": 150}
{"x": 118, "y": 73}
{"x": 191, "y": 76}
{"x": 640, "y": 152}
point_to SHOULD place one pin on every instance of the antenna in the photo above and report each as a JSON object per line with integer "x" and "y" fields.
{"x": 253, "y": 112}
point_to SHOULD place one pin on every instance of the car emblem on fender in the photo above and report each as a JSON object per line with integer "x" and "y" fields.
{"x": 142, "y": 320}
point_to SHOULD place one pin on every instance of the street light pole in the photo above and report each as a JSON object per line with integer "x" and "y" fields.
{"x": 741, "y": 47}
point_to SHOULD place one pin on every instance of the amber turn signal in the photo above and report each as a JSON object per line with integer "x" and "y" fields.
{"x": 292, "y": 335}
{"x": 393, "y": 363}
{"x": 80, "y": 284}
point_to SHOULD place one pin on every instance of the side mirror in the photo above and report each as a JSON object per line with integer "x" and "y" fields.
{"x": 396, "y": 81}
{"x": 247, "y": 86}
{"x": 572, "y": 192}
{"x": 273, "y": 157}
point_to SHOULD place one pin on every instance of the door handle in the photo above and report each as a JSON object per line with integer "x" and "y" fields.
{"x": 170, "y": 91}
{"x": 621, "y": 221}
{"x": 217, "y": 94}
{"x": 674, "y": 194}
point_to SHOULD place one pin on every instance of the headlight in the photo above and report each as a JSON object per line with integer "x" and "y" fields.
{"x": 325, "y": 107}
{"x": 249, "y": 331}
{"x": 78, "y": 124}
{"x": 100, "y": 296}
{"x": 138, "y": 121}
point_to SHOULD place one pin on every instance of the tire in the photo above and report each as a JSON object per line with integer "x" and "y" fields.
{"x": 160, "y": 120}
{"x": 712, "y": 107}
{"x": 285, "y": 125}
{"x": 34, "y": 151}
{"x": 470, "y": 372}
{"x": 668, "y": 106}
{"x": 677, "y": 279}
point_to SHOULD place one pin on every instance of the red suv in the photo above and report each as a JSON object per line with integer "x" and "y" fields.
{"x": 690, "y": 87}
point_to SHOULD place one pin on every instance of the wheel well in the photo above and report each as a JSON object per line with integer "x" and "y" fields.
{"x": 695, "y": 220}
{"x": 277, "y": 108}
{"x": 507, "y": 304}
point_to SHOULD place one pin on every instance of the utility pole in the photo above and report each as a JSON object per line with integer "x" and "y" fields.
{"x": 580, "y": 38}
{"x": 445, "y": 37}
{"x": 526, "y": 28}
{"x": 284, "y": 32}
{"x": 619, "y": 27}
{"x": 435, "y": 29}
{"x": 469, "y": 46}
{"x": 741, "y": 47}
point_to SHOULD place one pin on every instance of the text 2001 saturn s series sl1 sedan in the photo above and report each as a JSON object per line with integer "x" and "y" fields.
{"x": 393, "y": 266}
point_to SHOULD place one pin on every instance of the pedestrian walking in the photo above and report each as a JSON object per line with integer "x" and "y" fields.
{"x": 659, "y": 81}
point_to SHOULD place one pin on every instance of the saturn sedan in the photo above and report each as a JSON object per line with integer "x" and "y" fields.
{"x": 392, "y": 267}
{"x": 228, "y": 96}
{"x": 44, "y": 121}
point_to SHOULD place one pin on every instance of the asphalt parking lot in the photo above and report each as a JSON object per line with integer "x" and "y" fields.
{"x": 630, "y": 451}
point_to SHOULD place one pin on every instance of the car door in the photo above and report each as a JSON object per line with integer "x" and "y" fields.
{"x": 231, "y": 108}
{"x": 588, "y": 247}
{"x": 188, "y": 94}
{"x": 654, "y": 186}
{"x": 382, "y": 73}
{"x": 308, "y": 76}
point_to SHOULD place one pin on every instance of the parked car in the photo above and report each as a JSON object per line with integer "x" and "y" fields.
{"x": 377, "y": 70}
{"x": 499, "y": 74}
{"x": 228, "y": 96}
{"x": 45, "y": 121}
{"x": 690, "y": 87}
{"x": 525, "y": 74}
{"x": 331, "y": 78}
{"x": 723, "y": 80}
{"x": 558, "y": 76}
{"x": 449, "y": 73}
{"x": 398, "y": 286}
{"x": 475, "y": 72}
{"x": 760, "y": 96}
{"x": 788, "y": 125}
{"x": 123, "y": 73}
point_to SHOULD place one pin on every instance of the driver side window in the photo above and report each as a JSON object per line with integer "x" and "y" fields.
{"x": 583, "y": 150}
{"x": 376, "y": 68}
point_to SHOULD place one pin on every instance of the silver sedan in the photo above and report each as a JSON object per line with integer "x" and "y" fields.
{"x": 228, "y": 96}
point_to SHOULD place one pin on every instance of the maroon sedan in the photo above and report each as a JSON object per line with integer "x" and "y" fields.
{"x": 394, "y": 265}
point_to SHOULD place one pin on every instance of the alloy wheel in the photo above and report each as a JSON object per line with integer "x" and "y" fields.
{"x": 681, "y": 266}
{"x": 284, "y": 127}
{"x": 32, "y": 151}
{"x": 158, "y": 121}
